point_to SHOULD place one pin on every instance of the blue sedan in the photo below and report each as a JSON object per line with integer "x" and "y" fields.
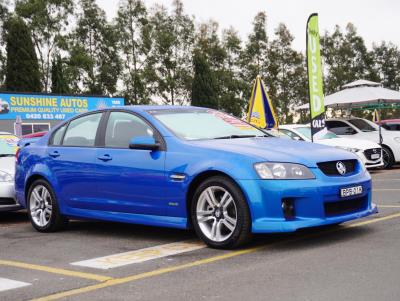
{"x": 187, "y": 167}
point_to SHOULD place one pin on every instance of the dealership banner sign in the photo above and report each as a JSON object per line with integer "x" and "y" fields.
{"x": 315, "y": 81}
{"x": 50, "y": 107}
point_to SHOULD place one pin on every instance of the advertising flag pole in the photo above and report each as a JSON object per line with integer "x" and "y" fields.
{"x": 315, "y": 80}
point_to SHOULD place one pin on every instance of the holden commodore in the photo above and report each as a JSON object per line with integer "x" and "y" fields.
{"x": 187, "y": 167}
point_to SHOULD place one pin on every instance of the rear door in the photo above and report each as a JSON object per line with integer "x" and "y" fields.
{"x": 71, "y": 158}
{"x": 130, "y": 180}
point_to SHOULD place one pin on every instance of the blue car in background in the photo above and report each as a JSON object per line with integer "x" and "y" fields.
{"x": 186, "y": 167}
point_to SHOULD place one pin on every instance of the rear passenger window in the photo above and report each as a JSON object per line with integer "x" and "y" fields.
{"x": 57, "y": 136}
{"x": 82, "y": 131}
{"x": 122, "y": 127}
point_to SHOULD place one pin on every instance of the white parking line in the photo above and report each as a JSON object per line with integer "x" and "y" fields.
{"x": 121, "y": 259}
{"x": 8, "y": 284}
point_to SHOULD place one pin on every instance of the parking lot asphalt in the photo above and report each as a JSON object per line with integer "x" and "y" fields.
{"x": 108, "y": 261}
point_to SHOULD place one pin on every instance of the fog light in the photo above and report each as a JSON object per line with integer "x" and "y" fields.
{"x": 288, "y": 208}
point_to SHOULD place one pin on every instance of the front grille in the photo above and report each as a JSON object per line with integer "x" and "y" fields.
{"x": 346, "y": 206}
{"x": 7, "y": 201}
{"x": 369, "y": 152}
{"x": 329, "y": 168}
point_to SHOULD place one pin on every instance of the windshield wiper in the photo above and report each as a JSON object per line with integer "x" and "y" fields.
{"x": 7, "y": 155}
{"x": 236, "y": 136}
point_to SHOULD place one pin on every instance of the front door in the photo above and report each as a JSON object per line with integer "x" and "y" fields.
{"x": 71, "y": 158}
{"x": 130, "y": 180}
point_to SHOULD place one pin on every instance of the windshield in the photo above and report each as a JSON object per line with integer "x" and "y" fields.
{"x": 8, "y": 145}
{"x": 205, "y": 124}
{"x": 362, "y": 125}
{"x": 306, "y": 131}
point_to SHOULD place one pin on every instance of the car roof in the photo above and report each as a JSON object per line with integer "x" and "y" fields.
{"x": 160, "y": 107}
{"x": 390, "y": 120}
{"x": 344, "y": 118}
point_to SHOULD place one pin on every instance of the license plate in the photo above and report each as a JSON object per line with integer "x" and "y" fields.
{"x": 375, "y": 156}
{"x": 345, "y": 192}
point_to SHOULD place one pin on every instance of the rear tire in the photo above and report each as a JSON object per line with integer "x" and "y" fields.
{"x": 43, "y": 209}
{"x": 220, "y": 214}
{"x": 388, "y": 158}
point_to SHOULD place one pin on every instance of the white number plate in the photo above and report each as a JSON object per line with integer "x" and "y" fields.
{"x": 375, "y": 156}
{"x": 344, "y": 192}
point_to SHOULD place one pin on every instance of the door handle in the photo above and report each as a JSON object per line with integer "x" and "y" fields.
{"x": 54, "y": 154}
{"x": 105, "y": 157}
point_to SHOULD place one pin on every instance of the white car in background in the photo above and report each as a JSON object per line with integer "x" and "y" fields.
{"x": 369, "y": 152}
{"x": 359, "y": 128}
{"x": 8, "y": 148}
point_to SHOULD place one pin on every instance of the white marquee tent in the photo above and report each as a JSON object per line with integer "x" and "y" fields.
{"x": 360, "y": 93}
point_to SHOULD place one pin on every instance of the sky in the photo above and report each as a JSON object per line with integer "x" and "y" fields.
{"x": 375, "y": 20}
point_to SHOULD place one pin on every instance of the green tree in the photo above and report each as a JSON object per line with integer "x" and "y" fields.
{"x": 3, "y": 17}
{"x": 135, "y": 44}
{"x": 48, "y": 22}
{"x": 287, "y": 76}
{"x": 223, "y": 56}
{"x": 231, "y": 85}
{"x": 254, "y": 57}
{"x": 387, "y": 64}
{"x": 59, "y": 82}
{"x": 171, "y": 54}
{"x": 345, "y": 58}
{"x": 204, "y": 91}
{"x": 22, "y": 71}
{"x": 93, "y": 63}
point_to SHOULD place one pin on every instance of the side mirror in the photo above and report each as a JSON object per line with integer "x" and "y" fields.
{"x": 297, "y": 138}
{"x": 144, "y": 142}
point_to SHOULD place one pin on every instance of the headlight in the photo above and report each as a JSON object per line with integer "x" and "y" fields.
{"x": 397, "y": 139}
{"x": 362, "y": 165}
{"x": 5, "y": 177}
{"x": 287, "y": 171}
{"x": 350, "y": 149}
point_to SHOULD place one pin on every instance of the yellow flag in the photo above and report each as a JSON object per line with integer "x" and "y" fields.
{"x": 261, "y": 112}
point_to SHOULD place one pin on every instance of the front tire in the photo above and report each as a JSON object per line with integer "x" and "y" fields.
{"x": 220, "y": 214}
{"x": 43, "y": 209}
{"x": 388, "y": 158}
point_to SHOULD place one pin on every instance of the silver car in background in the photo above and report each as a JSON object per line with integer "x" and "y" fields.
{"x": 8, "y": 148}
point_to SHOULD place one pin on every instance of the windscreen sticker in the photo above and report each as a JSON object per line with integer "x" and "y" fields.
{"x": 10, "y": 141}
{"x": 232, "y": 120}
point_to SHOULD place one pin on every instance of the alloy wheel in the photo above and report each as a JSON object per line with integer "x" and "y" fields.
{"x": 216, "y": 213}
{"x": 40, "y": 205}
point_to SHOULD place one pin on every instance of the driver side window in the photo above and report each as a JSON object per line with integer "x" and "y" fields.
{"x": 340, "y": 128}
{"x": 122, "y": 127}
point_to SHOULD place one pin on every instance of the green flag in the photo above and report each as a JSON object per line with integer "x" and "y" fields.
{"x": 315, "y": 82}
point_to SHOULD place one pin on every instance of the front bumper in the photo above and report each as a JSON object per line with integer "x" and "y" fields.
{"x": 7, "y": 197}
{"x": 370, "y": 163}
{"x": 311, "y": 198}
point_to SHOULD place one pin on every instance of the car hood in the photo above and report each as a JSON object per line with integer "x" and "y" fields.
{"x": 277, "y": 150}
{"x": 7, "y": 164}
{"x": 350, "y": 143}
